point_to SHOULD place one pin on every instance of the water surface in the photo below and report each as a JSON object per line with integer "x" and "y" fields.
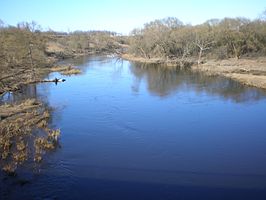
{"x": 132, "y": 131}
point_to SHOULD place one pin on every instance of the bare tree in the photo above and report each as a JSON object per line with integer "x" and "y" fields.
{"x": 203, "y": 40}
{"x": 203, "y": 46}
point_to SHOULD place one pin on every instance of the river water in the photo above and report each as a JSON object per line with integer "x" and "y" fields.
{"x": 132, "y": 131}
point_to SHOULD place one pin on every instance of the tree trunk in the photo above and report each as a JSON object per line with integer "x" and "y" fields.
{"x": 143, "y": 52}
{"x": 237, "y": 54}
{"x": 199, "y": 58}
{"x": 31, "y": 62}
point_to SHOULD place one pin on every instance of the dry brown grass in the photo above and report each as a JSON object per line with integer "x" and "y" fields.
{"x": 71, "y": 72}
{"x": 16, "y": 134}
{"x": 61, "y": 68}
{"x": 251, "y": 72}
{"x": 66, "y": 70}
{"x": 249, "y": 79}
{"x": 141, "y": 59}
{"x": 54, "y": 47}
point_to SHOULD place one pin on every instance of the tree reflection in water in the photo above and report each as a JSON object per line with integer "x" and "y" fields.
{"x": 164, "y": 81}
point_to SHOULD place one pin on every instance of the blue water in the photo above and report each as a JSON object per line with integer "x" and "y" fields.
{"x": 132, "y": 131}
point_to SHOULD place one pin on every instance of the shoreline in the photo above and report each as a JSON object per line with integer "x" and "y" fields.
{"x": 248, "y": 71}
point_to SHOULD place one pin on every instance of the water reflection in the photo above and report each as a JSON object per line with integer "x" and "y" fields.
{"x": 86, "y": 61}
{"x": 164, "y": 81}
{"x": 25, "y": 92}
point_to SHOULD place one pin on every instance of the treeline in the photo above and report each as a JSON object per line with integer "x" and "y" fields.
{"x": 25, "y": 47}
{"x": 25, "y": 50}
{"x": 84, "y": 42}
{"x": 169, "y": 38}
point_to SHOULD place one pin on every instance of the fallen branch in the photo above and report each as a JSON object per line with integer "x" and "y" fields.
{"x": 56, "y": 80}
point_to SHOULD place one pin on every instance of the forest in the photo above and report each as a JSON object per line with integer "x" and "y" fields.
{"x": 169, "y": 38}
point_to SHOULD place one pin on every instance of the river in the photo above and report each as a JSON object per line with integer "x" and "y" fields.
{"x": 134, "y": 131}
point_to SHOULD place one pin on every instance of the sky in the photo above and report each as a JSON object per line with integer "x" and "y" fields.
{"x": 121, "y": 16}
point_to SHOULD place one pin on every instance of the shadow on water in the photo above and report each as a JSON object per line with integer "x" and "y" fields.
{"x": 113, "y": 190}
{"x": 86, "y": 61}
{"x": 164, "y": 81}
{"x": 26, "y": 92}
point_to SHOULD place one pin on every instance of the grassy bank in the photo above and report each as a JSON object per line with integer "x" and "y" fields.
{"x": 18, "y": 143}
{"x": 164, "y": 61}
{"x": 248, "y": 71}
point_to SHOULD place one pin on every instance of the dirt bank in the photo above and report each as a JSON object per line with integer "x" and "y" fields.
{"x": 166, "y": 62}
{"x": 249, "y": 71}
{"x": 141, "y": 59}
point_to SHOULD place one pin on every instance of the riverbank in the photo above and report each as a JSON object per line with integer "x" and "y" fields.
{"x": 24, "y": 125}
{"x": 248, "y": 71}
{"x": 18, "y": 143}
{"x": 167, "y": 62}
{"x": 12, "y": 82}
{"x": 15, "y": 77}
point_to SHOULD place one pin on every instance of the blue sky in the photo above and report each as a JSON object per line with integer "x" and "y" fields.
{"x": 121, "y": 15}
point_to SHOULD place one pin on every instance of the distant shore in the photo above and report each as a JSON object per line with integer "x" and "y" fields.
{"x": 248, "y": 71}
